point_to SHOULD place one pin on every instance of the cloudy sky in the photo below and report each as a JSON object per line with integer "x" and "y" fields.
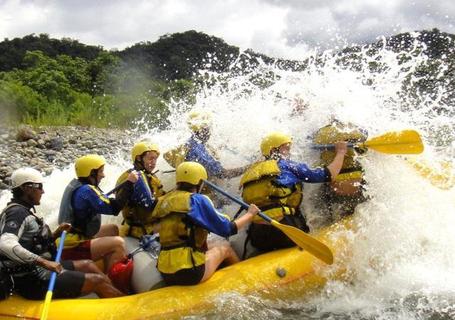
{"x": 280, "y": 28}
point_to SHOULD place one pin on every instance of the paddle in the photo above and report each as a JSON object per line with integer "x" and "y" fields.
{"x": 120, "y": 185}
{"x": 300, "y": 238}
{"x": 50, "y": 288}
{"x": 395, "y": 142}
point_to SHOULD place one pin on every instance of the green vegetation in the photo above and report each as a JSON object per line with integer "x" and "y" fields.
{"x": 47, "y": 81}
{"x": 63, "y": 82}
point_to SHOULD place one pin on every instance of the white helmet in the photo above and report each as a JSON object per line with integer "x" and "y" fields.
{"x": 25, "y": 175}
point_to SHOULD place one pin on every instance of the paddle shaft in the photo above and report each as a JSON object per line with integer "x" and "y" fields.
{"x": 236, "y": 200}
{"x": 332, "y": 146}
{"x": 123, "y": 183}
{"x": 51, "y": 286}
{"x": 300, "y": 238}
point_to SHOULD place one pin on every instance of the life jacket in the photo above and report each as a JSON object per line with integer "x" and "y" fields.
{"x": 176, "y": 156}
{"x": 83, "y": 229}
{"x": 337, "y": 131}
{"x": 42, "y": 242}
{"x": 66, "y": 214}
{"x": 182, "y": 242}
{"x": 138, "y": 211}
{"x": 260, "y": 187}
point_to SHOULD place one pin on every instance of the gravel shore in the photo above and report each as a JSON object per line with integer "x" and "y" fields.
{"x": 46, "y": 148}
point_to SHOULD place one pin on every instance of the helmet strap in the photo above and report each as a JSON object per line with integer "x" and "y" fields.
{"x": 93, "y": 178}
{"x": 139, "y": 164}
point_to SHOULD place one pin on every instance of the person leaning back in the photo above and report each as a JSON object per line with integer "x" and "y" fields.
{"x": 276, "y": 186}
{"x": 27, "y": 248}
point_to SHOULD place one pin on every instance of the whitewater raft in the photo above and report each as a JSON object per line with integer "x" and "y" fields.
{"x": 280, "y": 274}
{"x": 271, "y": 274}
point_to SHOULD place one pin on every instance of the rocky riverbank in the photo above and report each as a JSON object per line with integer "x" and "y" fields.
{"x": 46, "y": 148}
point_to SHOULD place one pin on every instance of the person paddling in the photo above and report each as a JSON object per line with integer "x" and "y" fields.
{"x": 186, "y": 217}
{"x": 342, "y": 195}
{"x": 27, "y": 248}
{"x": 276, "y": 186}
{"x": 139, "y": 207}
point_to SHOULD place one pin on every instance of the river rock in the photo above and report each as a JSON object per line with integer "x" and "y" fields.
{"x": 46, "y": 148}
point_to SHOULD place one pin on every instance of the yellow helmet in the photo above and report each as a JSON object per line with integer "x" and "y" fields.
{"x": 199, "y": 119}
{"x": 85, "y": 164}
{"x": 190, "y": 172}
{"x": 142, "y": 147}
{"x": 273, "y": 140}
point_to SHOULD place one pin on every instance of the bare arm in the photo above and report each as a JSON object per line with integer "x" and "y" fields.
{"x": 231, "y": 173}
{"x": 335, "y": 166}
{"x": 247, "y": 217}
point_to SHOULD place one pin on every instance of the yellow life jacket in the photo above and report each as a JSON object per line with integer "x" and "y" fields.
{"x": 182, "y": 243}
{"x": 71, "y": 240}
{"x": 176, "y": 156}
{"x": 138, "y": 219}
{"x": 260, "y": 188}
{"x": 337, "y": 131}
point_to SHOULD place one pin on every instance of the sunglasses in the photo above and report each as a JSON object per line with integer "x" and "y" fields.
{"x": 33, "y": 185}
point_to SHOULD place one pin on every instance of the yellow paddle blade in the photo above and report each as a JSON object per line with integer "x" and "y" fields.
{"x": 397, "y": 142}
{"x": 306, "y": 242}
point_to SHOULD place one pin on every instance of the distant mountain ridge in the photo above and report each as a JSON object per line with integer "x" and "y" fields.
{"x": 180, "y": 55}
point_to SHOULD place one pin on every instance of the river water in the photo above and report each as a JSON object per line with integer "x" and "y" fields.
{"x": 401, "y": 264}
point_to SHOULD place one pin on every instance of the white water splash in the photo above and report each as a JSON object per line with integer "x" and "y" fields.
{"x": 403, "y": 254}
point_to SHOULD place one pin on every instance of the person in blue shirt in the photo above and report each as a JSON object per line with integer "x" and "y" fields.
{"x": 276, "y": 186}
{"x": 198, "y": 151}
{"x": 185, "y": 218}
{"x": 82, "y": 205}
{"x": 138, "y": 210}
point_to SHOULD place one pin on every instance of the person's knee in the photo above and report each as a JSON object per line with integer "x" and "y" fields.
{"x": 225, "y": 250}
{"x": 95, "y": 280}
{"x": 108, "y": 230}
{"x": 111, "y": 229}
{"x": 118, "y": 242}
{"x": 114, "y": 229}
{"x": 87, "y": 265}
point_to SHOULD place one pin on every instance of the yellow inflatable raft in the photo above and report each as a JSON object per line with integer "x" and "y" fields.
{"x": 283, "y": 273}
{"x": 287, "y": 272}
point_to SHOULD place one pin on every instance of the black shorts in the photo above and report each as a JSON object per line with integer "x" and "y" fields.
{"x": 266, "y": 237}
{"x": 34, "y": 285}
{"x": 185, "y": 277}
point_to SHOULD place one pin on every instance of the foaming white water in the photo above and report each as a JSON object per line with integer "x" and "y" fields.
{"x": 401, "y": 261}
{"x": 401, "y": 264}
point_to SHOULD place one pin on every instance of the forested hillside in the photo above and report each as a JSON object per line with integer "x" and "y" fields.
{"x": 65, "y": 82}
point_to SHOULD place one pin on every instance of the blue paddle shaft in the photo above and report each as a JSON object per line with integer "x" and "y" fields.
{"x": 235, "y": 199}
{"x": 57, "y": 259}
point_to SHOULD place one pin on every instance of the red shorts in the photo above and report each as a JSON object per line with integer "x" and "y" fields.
{"x": 80, "y": 252}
